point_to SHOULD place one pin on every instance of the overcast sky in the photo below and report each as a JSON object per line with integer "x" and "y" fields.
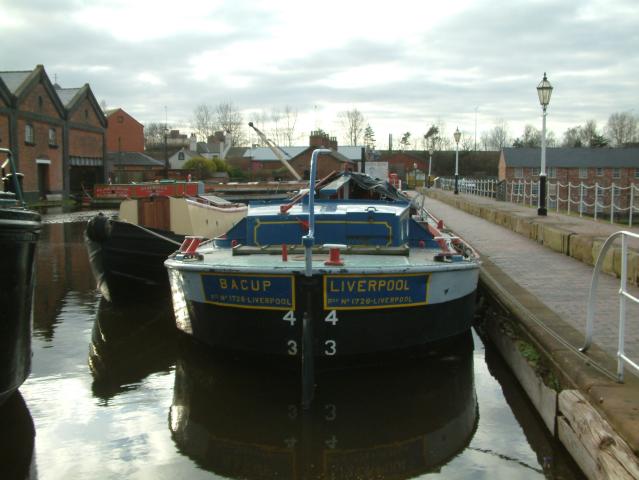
{"x": 403, "y": 64}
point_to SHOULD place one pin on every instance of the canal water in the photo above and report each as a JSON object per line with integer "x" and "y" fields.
{"x": 116, "y": 392}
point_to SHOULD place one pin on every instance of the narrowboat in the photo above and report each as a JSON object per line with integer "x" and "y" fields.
{"x": 19, "y": 231}
{"x": 127, "y": 251}
{"x": 348, "y": 270}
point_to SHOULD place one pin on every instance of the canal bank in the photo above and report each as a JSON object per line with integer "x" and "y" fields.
{"x": 541, "y": 291}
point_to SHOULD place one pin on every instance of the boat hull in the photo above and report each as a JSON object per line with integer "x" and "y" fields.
{"x": 19, "y": 231}
{"x": 127, "y": 261}
{"x": 340, "y": 337}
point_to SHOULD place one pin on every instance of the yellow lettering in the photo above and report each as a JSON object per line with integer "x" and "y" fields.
{"x": 391, "y": 285}
{"x": 382, "y": 284}
{"x": 234, "y": 285}
{"x": 331, "y": 286}
{"x": 223, "y": 283}
{"x": 361, "y": 285}
{"x": 255, "y": 285}
{"x": 372, "y": 285}
{"x": 244, "y": 284}
{"x": 267, "y": 284}
{"x": 350, "y": 285}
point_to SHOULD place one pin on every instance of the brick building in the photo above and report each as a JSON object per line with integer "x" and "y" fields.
{"x": 124, "y": 133}
{"x": 264, "y": 165}
{"x": 50, "y": 130}
{"x": 602, "y": 167}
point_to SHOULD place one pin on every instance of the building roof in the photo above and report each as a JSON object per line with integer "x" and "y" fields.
{"x": 573, "y": 157}
{"x": 264, "y": 154}
{"x": 66, "y": 94}
{"x": 133, "y": 158}
{"x": 13, "y": 80}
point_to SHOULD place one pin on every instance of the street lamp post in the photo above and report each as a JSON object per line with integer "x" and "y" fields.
{"x": 544, "y": 90}
{"x": 430, "y": 164}
{"x": 457, "y": 136}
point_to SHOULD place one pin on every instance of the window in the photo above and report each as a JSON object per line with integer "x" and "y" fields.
{"x": 28, "y": 135}
{"x": 583, "y": 172}
{"x": 86, "y": 114}
{"x": 519, "y": 172}
{"x": 181, "y": 156}
{"x": 52, "y": 138}
{"x": 40, "y": 103}
{"x": 600, "y": 171}
{"x": 536, "y": 171}
{"x": 616, "y": 173}
{"x": 552, "y": 172}
{"x": 636, "y": 172}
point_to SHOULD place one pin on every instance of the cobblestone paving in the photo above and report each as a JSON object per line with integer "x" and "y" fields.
{"x": 560, "y": 282}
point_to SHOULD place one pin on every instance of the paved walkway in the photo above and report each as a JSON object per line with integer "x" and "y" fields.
{"x": 560, "y": 282}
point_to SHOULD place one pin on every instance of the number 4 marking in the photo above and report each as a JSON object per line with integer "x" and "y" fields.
{"x": 331, "y": 317}
{"x": 290, "y": 317}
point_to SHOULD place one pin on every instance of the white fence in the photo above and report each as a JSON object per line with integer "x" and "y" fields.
{"x": 609, "y": 203}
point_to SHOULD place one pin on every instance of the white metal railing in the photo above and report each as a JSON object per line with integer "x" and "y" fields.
{"x": 622, "y": 359}
{"x": 596, "y": 200}
{"x": 483, "y": 187}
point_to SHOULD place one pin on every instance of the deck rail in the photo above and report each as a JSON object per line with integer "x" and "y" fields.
{"x": 624, "y": 295}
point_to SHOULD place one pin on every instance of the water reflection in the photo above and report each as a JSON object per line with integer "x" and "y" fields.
{"x": 390, "y": 422}
{"x": 17, "y": 435}
{"x": 130, "y": 343}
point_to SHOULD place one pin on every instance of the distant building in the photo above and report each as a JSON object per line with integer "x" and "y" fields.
{"x": 124, "y": 133}
{"x": 591, "y": 166}
{"x": 56, "y": 135}
{"x": 263, "y": 164}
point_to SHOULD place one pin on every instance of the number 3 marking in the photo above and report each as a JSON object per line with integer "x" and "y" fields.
{"x": 331, "y": 347}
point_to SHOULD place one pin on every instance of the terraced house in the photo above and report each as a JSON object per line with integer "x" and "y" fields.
{"x": 56, "y": 135}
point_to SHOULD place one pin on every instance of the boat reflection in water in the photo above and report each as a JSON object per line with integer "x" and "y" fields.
{"x": 129, "y": 343}
{"x": 394, "y": 421}
{"x": 17, "y": 437}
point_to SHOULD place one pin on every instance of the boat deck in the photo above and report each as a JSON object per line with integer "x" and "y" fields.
{"x": 382, "y": 260}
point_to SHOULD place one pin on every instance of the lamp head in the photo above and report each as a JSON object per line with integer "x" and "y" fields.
{"x": 457, "y": 135}
{"x": 544, "y": 90}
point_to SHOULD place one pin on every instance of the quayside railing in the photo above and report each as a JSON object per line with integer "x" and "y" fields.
{"x": 624, "y": 296}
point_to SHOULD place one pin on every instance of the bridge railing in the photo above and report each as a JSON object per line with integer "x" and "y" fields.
{"x": 624, "y": 296}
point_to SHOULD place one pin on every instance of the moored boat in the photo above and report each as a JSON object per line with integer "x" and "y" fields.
{"x": 127, "y": 251}
{"x": 354, "y": 274}
{"x": 19, "y": 231}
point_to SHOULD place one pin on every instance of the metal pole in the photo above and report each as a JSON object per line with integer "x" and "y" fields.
{"x": 542, "y": 174}
{"x": 430, "y": 163}
{"x": 581, "y": 199}
{"x": 632, "y": 201}
{"x": 456, "y": 168}
{"x": 596, "y": 198}
{"x": 612, "y": 203}
{"x": 622, "y": 307}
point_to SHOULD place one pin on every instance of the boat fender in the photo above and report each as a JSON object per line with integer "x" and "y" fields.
{"x": 99, "y": 228}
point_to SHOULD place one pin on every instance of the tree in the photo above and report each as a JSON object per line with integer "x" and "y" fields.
{"x": 202, "y": 167}
{"x": 203, "y": 121}
{"x": 353, "y": 122}
{"x": 430, "y": 137}
{"x": 572, "y": 138}
{"x": 497, "y": 138}
{"x": 154, "y": 133}
{"x": 599, "y": 141}
{"x": 405, "y": 141}
{"x": 621, "y": 128}
{"x": 229, "y": 119}
{"x": 289, "y": 120}
{"x": 369, "y": 137}
{"x": 531, "y": 138}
